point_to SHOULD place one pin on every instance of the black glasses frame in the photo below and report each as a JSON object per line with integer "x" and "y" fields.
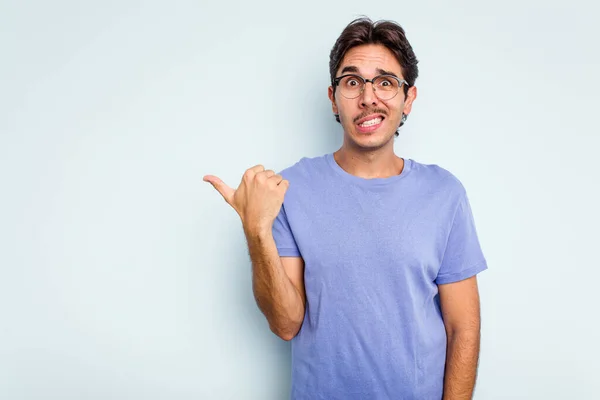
{"x": 401, "y": 82}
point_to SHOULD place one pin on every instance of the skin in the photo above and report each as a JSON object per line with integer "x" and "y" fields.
{"x": 278, "y": 282}
{"x": 370, "y": 155}
{"x": 460, "y": 310}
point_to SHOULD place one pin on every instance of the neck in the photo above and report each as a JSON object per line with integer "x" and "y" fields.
{"x": 368, "y": 164}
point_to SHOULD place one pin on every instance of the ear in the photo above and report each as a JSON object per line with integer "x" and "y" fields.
{"x": 332, "y": 98}
{"x": 410, "y": 98}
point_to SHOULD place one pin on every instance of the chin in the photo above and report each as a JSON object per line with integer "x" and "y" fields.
{"x": 374, "y": 140}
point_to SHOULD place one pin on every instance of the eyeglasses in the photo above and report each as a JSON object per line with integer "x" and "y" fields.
{"x": 386, "y": 87}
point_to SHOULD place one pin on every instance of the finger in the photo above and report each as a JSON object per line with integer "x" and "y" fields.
{"x": 221, "y": 187}
{"x": 276, "y": 179}
{"x": 257, "y": 168}
{"x": 266, "y": 174}
{"x": 283, "y": 186}
{"x": 250, "y": 173}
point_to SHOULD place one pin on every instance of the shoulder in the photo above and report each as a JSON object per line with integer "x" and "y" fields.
{"x": 438, "y": 179}
{"x": 305, "y": 169}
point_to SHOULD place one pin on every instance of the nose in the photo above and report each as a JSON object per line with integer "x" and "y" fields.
{"x": 368, "y": 96}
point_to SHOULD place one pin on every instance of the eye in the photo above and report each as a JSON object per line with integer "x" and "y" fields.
{"x": 386, "y": 83}
{"x": 352, "y": 82}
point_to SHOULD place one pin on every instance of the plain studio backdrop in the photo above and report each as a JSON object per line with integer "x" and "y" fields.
{"x": 124, "y": 276}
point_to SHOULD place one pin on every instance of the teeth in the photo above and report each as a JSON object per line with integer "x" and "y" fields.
{"x": 371, "y": 122}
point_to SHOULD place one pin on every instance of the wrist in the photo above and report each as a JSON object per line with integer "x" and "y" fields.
{"x": 257, "y": 232}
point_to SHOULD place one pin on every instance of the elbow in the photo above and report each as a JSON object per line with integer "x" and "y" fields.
{"x": 465, "y": 334}
{"x": 464, "y": 329}
{"x": 287, "y": 333}
{"x": 286, "y": 336}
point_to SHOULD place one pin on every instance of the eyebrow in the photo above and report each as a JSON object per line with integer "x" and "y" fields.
{"x": 353, "y": 69}
{"x": 349, "y": 68}
{"x": 384, "y": 72}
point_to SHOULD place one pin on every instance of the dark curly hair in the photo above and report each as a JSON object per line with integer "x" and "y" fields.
{"x": 363, "y": 31}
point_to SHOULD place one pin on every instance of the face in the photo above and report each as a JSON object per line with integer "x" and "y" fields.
{"x": 369, "y": 122}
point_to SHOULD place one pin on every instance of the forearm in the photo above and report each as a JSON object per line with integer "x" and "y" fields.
{"x": 276, "y": 296}
{"x": 461, "y": 365}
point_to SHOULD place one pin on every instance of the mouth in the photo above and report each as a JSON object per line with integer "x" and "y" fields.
{"x": 370, "y": 124}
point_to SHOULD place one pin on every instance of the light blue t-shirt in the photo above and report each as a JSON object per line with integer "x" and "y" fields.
{"x": 374, "y": 251}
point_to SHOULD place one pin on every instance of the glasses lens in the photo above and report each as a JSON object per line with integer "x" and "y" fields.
{"x": 351, "y": 86}
{"x": 386, "y": 87}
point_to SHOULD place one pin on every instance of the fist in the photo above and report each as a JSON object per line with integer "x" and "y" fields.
{"x": 258, "y": 198}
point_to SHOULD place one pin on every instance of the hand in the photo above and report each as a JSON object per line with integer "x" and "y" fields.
{"x": 258, "y": 198}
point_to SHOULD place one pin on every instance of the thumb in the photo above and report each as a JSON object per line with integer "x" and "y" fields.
{"x": 221, "y": 187}
{"x": 283, "y": 186}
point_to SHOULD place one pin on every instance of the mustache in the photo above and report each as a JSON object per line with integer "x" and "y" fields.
{"x": 369, "y": 112}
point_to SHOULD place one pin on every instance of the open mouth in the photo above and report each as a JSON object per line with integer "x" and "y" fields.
{"x": 370, "y": 124}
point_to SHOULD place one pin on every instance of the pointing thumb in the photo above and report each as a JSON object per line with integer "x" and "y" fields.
{"x": 221, "y": 187}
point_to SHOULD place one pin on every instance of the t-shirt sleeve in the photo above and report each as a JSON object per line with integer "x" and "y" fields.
{"x": 463, "y": 256}
{"x": 284, "y": 239}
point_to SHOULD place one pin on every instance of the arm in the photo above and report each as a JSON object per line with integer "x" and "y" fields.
{"x": 460, "y": 311}
{"x": 278, "y": 285}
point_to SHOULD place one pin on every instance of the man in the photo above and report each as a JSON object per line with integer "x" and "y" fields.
{"x": 369, "y": 265}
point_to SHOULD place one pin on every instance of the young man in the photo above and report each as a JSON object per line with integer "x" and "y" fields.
{"x": 369, "y": 265}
